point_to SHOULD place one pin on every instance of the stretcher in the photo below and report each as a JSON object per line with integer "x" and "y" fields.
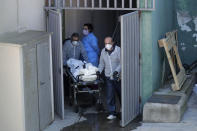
{"x": 78, "y": 86}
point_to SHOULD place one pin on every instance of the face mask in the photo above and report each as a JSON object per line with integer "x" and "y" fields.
{"x": 75, "y": 43}
{"x": 108, "y": 46}
{"x": 85, "y": 32}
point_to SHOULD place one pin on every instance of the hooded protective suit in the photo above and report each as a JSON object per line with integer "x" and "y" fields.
{"x": 90, "y": 43}
{"x": 74, "y": 51}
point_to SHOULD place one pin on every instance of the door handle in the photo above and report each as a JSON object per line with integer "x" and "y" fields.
{"x": 42, "y": 83}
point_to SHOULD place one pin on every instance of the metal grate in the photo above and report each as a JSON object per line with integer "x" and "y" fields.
{"x": 147, "y": 5}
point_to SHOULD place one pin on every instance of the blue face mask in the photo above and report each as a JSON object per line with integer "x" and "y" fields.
{"x": 85, "y": 32}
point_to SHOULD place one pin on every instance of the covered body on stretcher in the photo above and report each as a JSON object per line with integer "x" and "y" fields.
{"x": 82, "y": 79}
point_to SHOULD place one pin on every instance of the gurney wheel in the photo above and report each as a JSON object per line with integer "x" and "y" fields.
{"x": 70, "y": 103}
{"x": 99, "y": 107}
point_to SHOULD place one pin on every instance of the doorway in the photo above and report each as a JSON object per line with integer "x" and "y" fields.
{"x": 122, "y": 24}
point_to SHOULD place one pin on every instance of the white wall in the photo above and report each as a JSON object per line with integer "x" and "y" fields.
{"x": 8, "y": 15}
{"x": 21, "y": 15}
{"x": 31, "y": 14}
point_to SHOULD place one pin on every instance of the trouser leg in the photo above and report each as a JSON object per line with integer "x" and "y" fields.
{"x": 117, "y": 86}
{"x": 110, "y": 96}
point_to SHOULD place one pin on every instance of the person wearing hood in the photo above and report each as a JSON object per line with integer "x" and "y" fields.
{"x": 74, "y": 49}
{"x": 90, "y": 43}
{"x": 111, "y": 64}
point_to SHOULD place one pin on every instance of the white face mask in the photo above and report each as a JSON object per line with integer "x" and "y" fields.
{"x": 108, "y": 46}
{"x": 75, "y": 43}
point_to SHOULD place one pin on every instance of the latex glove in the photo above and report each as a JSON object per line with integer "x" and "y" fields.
{"x": 115, "y": 75}
{"x": 98, "y": 74}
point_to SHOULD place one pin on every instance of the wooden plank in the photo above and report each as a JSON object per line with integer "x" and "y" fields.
{"x": 171, "y": 36}
{"x": 171, "y": 65}
{"x": 169, "y": 43}
{"x": 178, "y": 57}
{"x": 181, "y": 77}
{"x": 161, "y": 43}
{"x": 174, "y": 37}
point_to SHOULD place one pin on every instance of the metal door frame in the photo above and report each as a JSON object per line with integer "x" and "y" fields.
{"x": 58, "y": 89}
{"x": 122, "y": 85}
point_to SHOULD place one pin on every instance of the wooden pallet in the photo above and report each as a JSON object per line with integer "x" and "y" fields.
{"x": 169, "y": 43}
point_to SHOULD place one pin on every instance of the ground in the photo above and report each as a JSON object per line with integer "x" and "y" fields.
{"x": 94, "y": 121}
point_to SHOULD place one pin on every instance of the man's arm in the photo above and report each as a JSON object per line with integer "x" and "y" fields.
{"x": 101, "y": 63}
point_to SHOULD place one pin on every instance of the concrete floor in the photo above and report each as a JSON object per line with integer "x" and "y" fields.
{"x": 188, "y": 123}
{"x": 91, "y": 120}
{"x": 94, "y": 121}
{"x": 98, "y": 122}
{"x": 70, "y": 119}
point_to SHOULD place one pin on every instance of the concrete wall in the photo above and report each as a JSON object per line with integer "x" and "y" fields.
{"x": 8, "y": 15}
{"x": 21, "y": 15}
{"x": 31, "y": 14}
{"x": 153, "y": 27}
{"x": 146, "y": 55}
{"x": 162, "y": 22}
{"x": 74, "y": 21}
{"x": 103, "y": 22}
{"x": 186, "y": 23}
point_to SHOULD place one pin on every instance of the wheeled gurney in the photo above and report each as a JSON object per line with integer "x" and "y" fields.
{"x": 77, "y": 86}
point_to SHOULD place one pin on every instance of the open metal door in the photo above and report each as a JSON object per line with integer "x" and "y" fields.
{"x": 55, "y": 26}
{"x": 130, "y": 84}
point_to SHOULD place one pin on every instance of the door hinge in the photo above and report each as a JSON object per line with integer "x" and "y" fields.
{"x": 140, "y": 12}
{"x": 47, "y": 13}
{"x": 140, "y": 100}
{"x": 140, "y": 56}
